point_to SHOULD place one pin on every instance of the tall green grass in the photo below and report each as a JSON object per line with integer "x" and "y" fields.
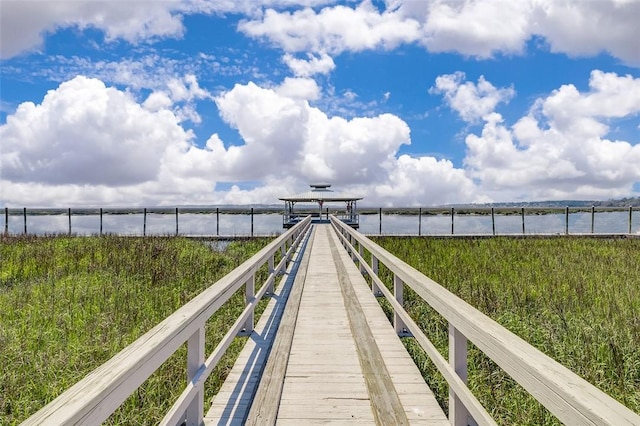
{"x": 69, "y": 304}
{"x": 576, "y": 300}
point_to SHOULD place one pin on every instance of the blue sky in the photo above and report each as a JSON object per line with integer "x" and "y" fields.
{"x": 407, "y": 103}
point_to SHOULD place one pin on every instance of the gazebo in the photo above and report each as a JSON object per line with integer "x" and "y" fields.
{"x": 320, "y": 194}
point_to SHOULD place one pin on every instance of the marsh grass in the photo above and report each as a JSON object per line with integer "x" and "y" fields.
{"x": 577, "y": 300}
{"x": 68, "y": 304}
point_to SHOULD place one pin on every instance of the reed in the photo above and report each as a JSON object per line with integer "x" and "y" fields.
{"x": 69, "y": 304}
{"x": 575, "y": 299}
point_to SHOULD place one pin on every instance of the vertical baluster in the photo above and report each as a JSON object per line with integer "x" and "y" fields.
{"x": 374, "y": 266}
{"x": 458, "y": 414}
{"x": 195, "y": 359}
{"x": 523, "y": 232}
{"x": 398, "y": 293}
{"x": 270, "y": 289}
{"x": 250, "y": 291}
{"x": 593, "y": 217}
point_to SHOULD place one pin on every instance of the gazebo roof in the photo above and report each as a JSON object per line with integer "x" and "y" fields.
{"x": 321, "y": 192}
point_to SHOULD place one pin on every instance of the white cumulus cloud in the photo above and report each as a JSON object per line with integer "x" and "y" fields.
{"x": 562, "y": 148}
{"x": 471, "y": 101}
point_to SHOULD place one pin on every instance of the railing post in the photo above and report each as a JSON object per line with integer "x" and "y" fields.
{"x": 69, "y": 220}
{"x": 217, "y": 220}
{"x": 250, "y": 292}
{"x": 398, "y": 293}
{"x": 566, "y": 220}
{"x": 419, "y": 221}
{"x": 374, "y": 267}
{"x": 144, "y": 223}
{"x": 272, "y": 270}
{"x": 6, "y": 220}
{"x": 380, "y": 225}
{"x": 523, "y": 221}
{"x": 252, "y": 221}
{"x": 361, "y": 253}
{"x": 24, "y": 212}
{"x": 195, "y": 359}
{"x": 630, "y": 217}
{"x": 458, "y": 413}
{"x": 100, "y": 220}
{"x": 593, "y": 214}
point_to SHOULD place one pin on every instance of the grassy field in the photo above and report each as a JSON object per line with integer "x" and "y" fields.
{"x": 69, "y": 304}
{"x": 577, "y": 300}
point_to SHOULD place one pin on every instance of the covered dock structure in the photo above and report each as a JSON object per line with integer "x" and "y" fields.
{"x": 320, "y": 194}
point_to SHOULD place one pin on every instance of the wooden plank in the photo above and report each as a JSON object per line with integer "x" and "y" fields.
{"x": 323, "y": 382}
{"x": 385, "y": 402}
{"x": 264, "y": 408}
{"x": 232, "y": 403}
{"x": 569, "y": 397}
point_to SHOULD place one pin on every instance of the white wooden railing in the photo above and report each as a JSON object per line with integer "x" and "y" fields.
{"x": 94, "y": 398}
{"x": 573, "y": 400}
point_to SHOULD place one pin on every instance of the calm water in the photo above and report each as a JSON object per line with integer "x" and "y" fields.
{"x": 271, "y": 224}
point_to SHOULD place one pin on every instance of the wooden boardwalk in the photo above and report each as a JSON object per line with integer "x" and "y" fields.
{"x": 335, "y": 359}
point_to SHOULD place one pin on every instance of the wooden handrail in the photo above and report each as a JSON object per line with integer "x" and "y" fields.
{"x": 573, "y": 400}
{"x": 94, "y": 398}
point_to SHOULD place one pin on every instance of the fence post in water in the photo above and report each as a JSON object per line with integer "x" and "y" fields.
{"x": 100, "y": 220}
{"x": 176, "y": 221}
{"x": 195, "y": 359}
{"x": 566, "y": 221}
{"x": 419, "y": 221}
{"x": 398, "y": 293}
{"x": 6, "y": 220}
{"x": 252, "y": 221}
{"x": 493, "y": 221}
{"x": 380, "y": 214}
{"x": 458, "y": 413}
{"x": 523, "y": 221}
{"x": 452, "y": 215}
{"x": 24, "y": 212}
{"x": 593, "y": 214}
{"x": 69, "y": 220}
{"x": 630, "y": 216}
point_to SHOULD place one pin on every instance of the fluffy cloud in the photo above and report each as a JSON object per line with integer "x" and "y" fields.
{"x": 561, "y": 149}
{"x": 478, "y": 28}
{"x": 85, "y": 133}
{"x": 333, "y": 29}
{"x": 471, "y": 101}
{"x": 88, "y": 144}
{"x": 23, "y": 23}
{"x": 321, "y": 64}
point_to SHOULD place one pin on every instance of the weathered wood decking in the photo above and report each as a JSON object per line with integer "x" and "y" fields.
{"x": 336, "y": 358}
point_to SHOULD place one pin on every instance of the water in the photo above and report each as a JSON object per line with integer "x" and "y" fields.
{"x": 205, "y": 224}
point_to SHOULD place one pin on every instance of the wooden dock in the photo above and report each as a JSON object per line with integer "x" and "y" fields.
{"x": 336, "y": 359}
{"x": 323, "y": 351}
